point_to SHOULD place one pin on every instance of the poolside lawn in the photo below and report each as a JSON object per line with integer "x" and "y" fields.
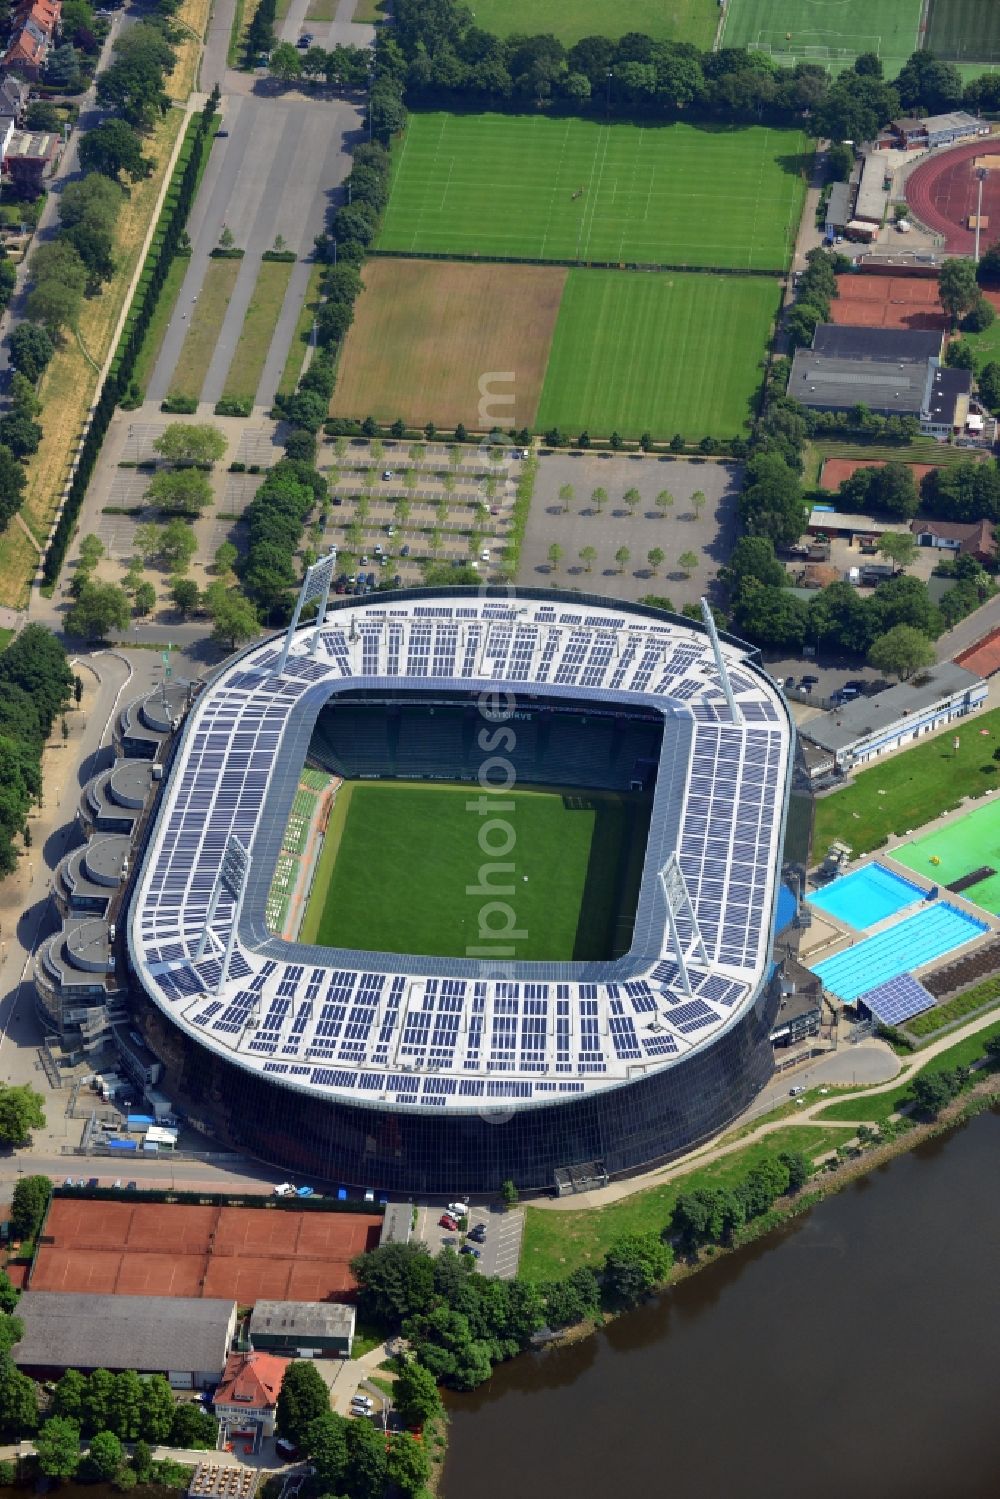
{"x": 878, "y": 1106}
{"x": 912, "y": 788}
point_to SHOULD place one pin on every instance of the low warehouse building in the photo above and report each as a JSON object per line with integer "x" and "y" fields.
{"x": 303, "y": 1329}
{"x": 185, "y": 1338}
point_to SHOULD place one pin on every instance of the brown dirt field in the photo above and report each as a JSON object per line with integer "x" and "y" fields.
{"x": 836, "y": 470}
{"x": 425, "y": 331}
{"x": 887, "y": 302}
{"x": 241, "y": 1253}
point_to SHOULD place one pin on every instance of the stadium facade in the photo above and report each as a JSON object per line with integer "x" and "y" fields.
{"x": 423, "y": 1074}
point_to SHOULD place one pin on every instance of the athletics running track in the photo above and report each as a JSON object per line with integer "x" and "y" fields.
{"x": 942, "y": 192}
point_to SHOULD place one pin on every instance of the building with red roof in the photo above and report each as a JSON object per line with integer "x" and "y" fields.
{"x": 247, "y": 1396}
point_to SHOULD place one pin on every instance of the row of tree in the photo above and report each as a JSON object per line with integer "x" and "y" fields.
{"x": 35, "y": 685}
{"x": 342, "y": 67}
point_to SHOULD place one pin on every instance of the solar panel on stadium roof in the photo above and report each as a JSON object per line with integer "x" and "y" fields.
{"x": 897, "y": 999}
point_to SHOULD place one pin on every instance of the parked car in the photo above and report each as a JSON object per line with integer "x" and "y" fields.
{"x": 468, "y": 1249}
{"x": 284, "y": 1189}
{"x": 69, "y": 1182}
{"x": 304, "y": 1192}
{"x": 286, "y": 1449}
{"x": 405, "y": 550}
{"x": 459, "y": 1209}
{"x": 131, "y": 1186}
{"x": 857, "y": 684}
{"x": 448, "y": 1222}
{"x": 478, "y": 1233}
{"x": 363, "y": 1402}
{"x": 94, "y": 1181}
{"x": 794, "y": 1092}
{"x": 387, "y": 473}
{"x": 809, "y": 681}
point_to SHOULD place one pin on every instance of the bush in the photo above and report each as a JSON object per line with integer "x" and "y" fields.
{"x": 234, "y": 406}
{"x": 179, "y": 405}
{"x": 285, "y": 256}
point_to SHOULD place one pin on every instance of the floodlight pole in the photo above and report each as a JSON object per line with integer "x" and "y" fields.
{"x": 232, "y": 878}
{"x": 720, "y": 663}
{"x": 981, "y": 174}
{"x": 676, "y": 894}
{"x": 315, "y": 584}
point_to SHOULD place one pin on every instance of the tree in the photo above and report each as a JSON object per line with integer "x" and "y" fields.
{"x": 365, "y": 1473}
{"x": 185, "y": 490}
{"x": 12, "y": 482}
{"x": 687, "y": 562}
{"x": 772, "y": 503}
{"x": 698, "y": 502}
{"x": 36, "y": 662}
{"x": 144, "y": 598}
{"x": 20, "y": 1106}
{"x": 632, "y": 498}
{"x": 91, "y": 551}
{"x": 622, "y": 558}
{"x": 979, "y": 317}
{"x": 958, "y": 288}
{"x": 184, "y": 595}
{"x": 225, "y": 558}
{"x": 193, "y": 442}
{"x": 303, "y": 1397}
{"x": 988, "y": 381}
{"x": 901, "y": 652}
{"x": 18, "y": 1400}
{"x": 54, "y": 304}
{"x": 9, "y": 1295}
{"x": 600, "y": 498}
{"x": 284, "y": 63}
{"x": 555, "y": 556}
{"x": 113, "y": 148}
{"x": 931, "y": 1091}
{"x": 100, "y": 608}
{"x": 142, "y": 1462}
{"x": 193, "y": 1427}
{"x": 20, "y": 434}
{"x": 325, "y": 1442}
{"x": 104, "y": 1458}
{"x": 28, "y": 1205}
{"x": 655, "y": 557}
{"x": 57, "y": 1447}
{"x": 566, "y": 492}
{"x": 407, "y": 1464}
{"x": 797, "y": 1166}
{"x": 416, "y": 1394}
{"x": 588, "y": 556}
{"x": 899, "y": 549}
{"x": 156, "y": 1409}
{"x": 30, "y": 348}
{"x": 634, "y": 1264}
{"x": 394, "y": 1282}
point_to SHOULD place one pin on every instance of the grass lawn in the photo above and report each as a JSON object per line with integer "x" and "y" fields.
{"x": 370, "y": 11}
{"x": 963, "y": 29}
{"x": 878, "y": 1106}
{"x": 321, "y": 10}
{"x": 300, "y": 338}
{"x": 663, "y": 353}
{"x": 568, "y": 871}
{"x": 986, "y": 345}
{"x": 664, "y": 20}
{"x": 6, "y": 636}
{"x": 160, "y": 321}
{"x": 425, "y": 330}
{"x": 791, "y": 27}
{"x": 203, "y": 333}
{"x": 973, "y": 842}
{"x": 919, "y": 450}
{"x": 977, "y": 998}
{"x": 244, "y": 373}
{"x": 556, "y": 1243}
{"x": 541, "y": 188}
{"x": 68, "y": 384}
{"x": 919, "y": 785}
{"x": 191, "y": 20}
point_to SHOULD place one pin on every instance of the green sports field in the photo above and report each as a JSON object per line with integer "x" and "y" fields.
{"x": 659, "y": 352}
{"x": 964, "y": 30}
{"x": 529, "y": 187}
{"x": 971, "y": 843}
{"x": 820, "y": 30}
{"x": 400, "y": 856}
{"x": 664, "y": 20}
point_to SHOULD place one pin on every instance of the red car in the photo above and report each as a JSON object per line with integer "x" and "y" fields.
{"x": 447, "y": 1221}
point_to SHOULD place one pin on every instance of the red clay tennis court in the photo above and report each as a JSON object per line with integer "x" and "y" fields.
{"x": 836, "y": 470}
{"x": 871, "y": 301}
{"x": 176, "y": 1249}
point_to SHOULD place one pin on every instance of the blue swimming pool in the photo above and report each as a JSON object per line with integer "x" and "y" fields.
{"x": 867, "y": 896}
{"x": 900, "y": 949}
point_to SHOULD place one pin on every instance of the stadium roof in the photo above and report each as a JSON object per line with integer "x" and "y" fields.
{"x": 150, "y": 1334}
{"x": 385, "y": 1029}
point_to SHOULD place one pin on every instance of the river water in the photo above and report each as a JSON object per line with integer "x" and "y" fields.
{"x": 854, "y": 1353}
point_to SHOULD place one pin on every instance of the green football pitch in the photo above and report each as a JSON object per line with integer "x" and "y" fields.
{"x": 659, "y": 352}
{"x": 529, "y": 187}
{"x": 825, "y": 30}
{"x": 961, "y": 30}
{"x": 401, "y": 857}
{"x": 971, "y": 843}
{"x": 665, "y": 20}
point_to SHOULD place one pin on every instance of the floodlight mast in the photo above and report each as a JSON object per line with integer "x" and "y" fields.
{"x": 677, "y": 898}
{"x": 232, "y": 877}
{"x": 727, "y": 686}
{"x": 981, "y": 175}
{"x": 315, "y": 584}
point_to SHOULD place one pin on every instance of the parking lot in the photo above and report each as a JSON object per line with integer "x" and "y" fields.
{"x": 499, "y": 1250}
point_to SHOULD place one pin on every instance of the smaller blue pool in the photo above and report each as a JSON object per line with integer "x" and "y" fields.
{"x": 867, "y": 896}
{"x": 899, "y": 949}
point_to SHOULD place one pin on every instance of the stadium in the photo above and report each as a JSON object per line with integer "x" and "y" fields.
{"x": 461, "y": 1027}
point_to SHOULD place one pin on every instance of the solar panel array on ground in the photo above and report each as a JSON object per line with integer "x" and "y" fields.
{"x": 897, "y": 1000}
{"x": 177, "y": 1249}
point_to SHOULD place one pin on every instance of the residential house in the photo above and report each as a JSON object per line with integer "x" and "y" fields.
{"x": 247, "y": 1396}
